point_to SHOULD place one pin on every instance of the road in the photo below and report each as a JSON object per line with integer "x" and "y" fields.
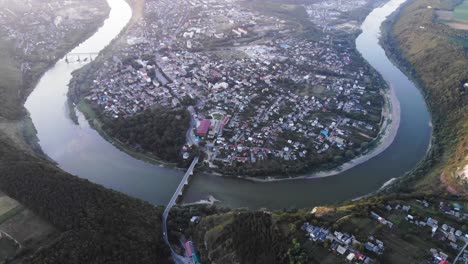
{"x": 190, "y": 136}
{"x": 177, "y": 258}
{"x": 460, "y": 253}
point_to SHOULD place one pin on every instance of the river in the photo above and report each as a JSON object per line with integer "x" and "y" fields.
{"x": 80, "y": 150}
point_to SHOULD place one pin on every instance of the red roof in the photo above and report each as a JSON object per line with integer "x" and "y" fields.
{"x": 188, "y": 248}
{"x": 203, "y": 128}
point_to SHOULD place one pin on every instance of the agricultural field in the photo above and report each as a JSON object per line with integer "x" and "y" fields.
{"x": 461, "y": 11}
{"x": 20, "y": 228}
{"x": 458, "y": 18}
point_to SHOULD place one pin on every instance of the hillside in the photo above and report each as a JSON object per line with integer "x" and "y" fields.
{"x": 241, "y": 236}
{"x": 98, "y": 225}
{"x": 427, "y": 51}
{"x": 91, "y": 224}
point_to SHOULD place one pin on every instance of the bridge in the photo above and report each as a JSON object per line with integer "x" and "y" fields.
{"x": 83, "y": 54}
{"x": 177, "y": 258}
{"x": 78, "y": 55}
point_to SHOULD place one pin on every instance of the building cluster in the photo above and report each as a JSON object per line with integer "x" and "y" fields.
{"x": 381, "y": 220}
{"x": 453, "y": 209}
{"x": 344, "y": 244}
{"x": 455, "y": 240}
{"x": 443, "y": 232}
{"x": 260, "y": 92}
{"x": 37, "y": 29}
{"x": 333, "y": 14}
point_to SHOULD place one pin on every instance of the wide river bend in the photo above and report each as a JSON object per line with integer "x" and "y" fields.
{"x": 80, "y": 150}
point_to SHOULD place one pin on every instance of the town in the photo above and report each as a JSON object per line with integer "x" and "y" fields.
{"x": 38, "y": 31}
{"x": 261, "y": 88}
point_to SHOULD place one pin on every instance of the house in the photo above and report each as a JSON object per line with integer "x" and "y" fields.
{"x": 452, "y": 237}
{"x": 369, "y": 246}
{"x": 341, "y": 250}
{"x": 432, "y": 222}
{"x": 195, "y": 219}
{"x": 350, "y": 257}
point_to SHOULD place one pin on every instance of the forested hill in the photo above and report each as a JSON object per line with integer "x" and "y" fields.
{"x": 99, "y": 225}
{"x": 242, "y": 237}
{"x": 426, "y": 49}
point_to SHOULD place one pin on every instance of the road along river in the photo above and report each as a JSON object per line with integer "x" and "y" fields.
{"x": 80, "y": 150}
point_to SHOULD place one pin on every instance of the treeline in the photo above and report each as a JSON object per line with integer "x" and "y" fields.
{"x": 256, "y": 239}
{"x": 242, "y": 237}
{"x": 98, "y": 225}
{"x": 161, "y": 132}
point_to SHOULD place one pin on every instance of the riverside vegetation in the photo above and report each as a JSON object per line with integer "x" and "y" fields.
{"x": 425, "y": 49}
{"x": 96, "y": 225}
{"x": 103, "y": 226}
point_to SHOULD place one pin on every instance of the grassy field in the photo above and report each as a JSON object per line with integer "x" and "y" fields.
{"x": 20, "y": 227}
{"x": 461, "y": 11}
{"x": 7, "y": 204}
{"x": 458, "y": 18}
{"x": 27, "y": 228}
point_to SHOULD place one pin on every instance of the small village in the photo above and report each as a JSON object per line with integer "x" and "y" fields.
{"x": 36, "y": 30}
{"x": 329, "y": 15}
{"x": 443, "y": 232}
{"x": 259, "y": 92}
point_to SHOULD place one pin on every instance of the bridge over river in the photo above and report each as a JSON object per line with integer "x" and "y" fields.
{"x": 80, "y": 56}
{"x": 177, "y": 258}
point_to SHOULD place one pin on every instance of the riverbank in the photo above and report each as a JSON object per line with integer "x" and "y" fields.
{"x": 391, "y": 113}
{"x": 322, "y": 161}
{"x": 447, "y": 151}
{"x": 15, "y": 122}
{"x": 96, "y": 124}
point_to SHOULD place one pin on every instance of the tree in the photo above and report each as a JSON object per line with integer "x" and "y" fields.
{"x": 349, "y": 154}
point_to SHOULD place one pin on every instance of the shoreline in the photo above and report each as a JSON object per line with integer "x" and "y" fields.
{"x": 24, "y": 133}
{"x": 391, "y": 119}
{"x": 87, "y": 112}
{"x": 389, "y": 129}
{"x": 386, "y": 136}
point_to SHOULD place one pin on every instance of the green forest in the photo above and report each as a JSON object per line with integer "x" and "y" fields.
{"x": 99, "y": 225}
{"x": 158, "y": 131}
{"x": 242, "y": 237}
